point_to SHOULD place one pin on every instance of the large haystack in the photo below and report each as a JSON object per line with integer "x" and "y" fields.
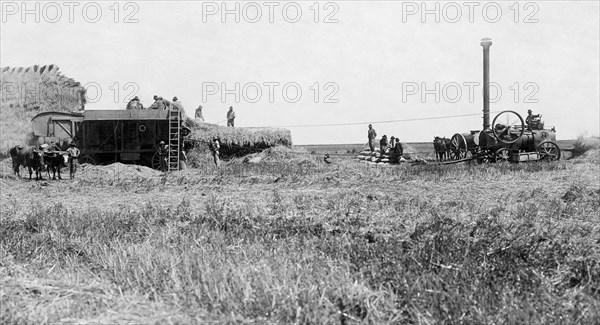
{"x": 237, "y": 141}
{"x": 27, "y": 92}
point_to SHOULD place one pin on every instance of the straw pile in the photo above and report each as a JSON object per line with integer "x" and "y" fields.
{"x": 241, "y": 137}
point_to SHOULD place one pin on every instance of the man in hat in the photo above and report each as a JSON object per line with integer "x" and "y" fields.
{"x": 167, "y": 104}
{"x": 372, "y": 135}
{"x": 230, "y": 116}
{"x": 177, "y": 104}
{"x": 73, "y": 153}
{"x": 198, "y": 114}
{"x": 158, "y": 103}
{"x": 383, "y": 143}
{"x": 531, "y": 120}
{"x": 215, "y": 147}
{"x": 135, "y": 104}
{"x": 163, "y": 153}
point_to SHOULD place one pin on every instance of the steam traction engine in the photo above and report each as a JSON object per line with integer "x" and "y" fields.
{"x": 508, "y": 138}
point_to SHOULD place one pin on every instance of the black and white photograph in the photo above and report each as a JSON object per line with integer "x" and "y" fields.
{"x": 300, "y": 162}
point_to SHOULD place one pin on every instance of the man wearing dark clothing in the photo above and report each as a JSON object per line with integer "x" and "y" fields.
{"x": 230, "y": 116}
{"x": 163, "y": 153}
{"x": 372, "y": 135}
{"x": 215, "y": 147}
{"x": 383, "y": 143}
{"x": 398, "y": 149}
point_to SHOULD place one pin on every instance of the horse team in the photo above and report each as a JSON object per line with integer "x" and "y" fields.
{"x": 442, "y": 148}
{"x": 38, "y": 160}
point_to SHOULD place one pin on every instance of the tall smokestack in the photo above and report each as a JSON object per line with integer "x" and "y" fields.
{"x": 486, "y": 43}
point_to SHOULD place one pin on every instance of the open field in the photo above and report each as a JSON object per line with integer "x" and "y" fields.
{"x": 292, "y": 240}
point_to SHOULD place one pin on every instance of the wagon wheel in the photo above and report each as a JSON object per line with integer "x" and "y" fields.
{"x": 506, "y": 121}
{"x": 87, "y": 159}
{"x": 155, "y": 163}
{"x": 458, "y": 147}
{"x": 485, "y": 157}
{"x": 549, "y": 151}
{"x": 502, "y": 154}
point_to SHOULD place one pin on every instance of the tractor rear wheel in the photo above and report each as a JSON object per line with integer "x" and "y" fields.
{"x": 549, "y": 151}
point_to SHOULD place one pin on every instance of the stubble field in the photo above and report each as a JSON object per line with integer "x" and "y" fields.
{"x": 293, "y": 240}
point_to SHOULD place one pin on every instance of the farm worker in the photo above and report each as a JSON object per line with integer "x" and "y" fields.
{"x": 398, "y": 149}
{"x": 176, "y": 104}
{"x": 327, "y": 159}
{"x": 372, "y": 135}
{"x": 135, "y": 104}
{"x": 163, "y": 152}
{"x": 215, "y": 147}
{"x": 198, "y": 114}
{"x": 530, "y": 120}
{"x": 73, "y": 153}
{"x": 158, "y": 103}
{"x": 392, "y": 143}
{"x": 182, "y": 160}
{"x": 230, "y": 116}
{"x": 383, "y": 144}
{"x": 167, "y": 104}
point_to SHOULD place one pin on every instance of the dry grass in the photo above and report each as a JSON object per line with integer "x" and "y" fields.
{"x": 285, "y": 241}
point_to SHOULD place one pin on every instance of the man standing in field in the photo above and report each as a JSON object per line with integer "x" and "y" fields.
{"x": 215, "y": 147}
{"x": 372, "y": 135}
{"x": 163, "y": 152}
{"x": 73, "y": 153}
{"x": 230, "y": 116}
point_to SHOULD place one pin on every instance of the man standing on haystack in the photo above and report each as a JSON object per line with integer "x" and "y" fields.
{"x": 230, "y": 116}
{"x": 372, "y": 135}
{"x": 198, "y": 114}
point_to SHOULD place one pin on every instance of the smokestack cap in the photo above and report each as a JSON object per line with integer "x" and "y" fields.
{"x": 486, "y": 42}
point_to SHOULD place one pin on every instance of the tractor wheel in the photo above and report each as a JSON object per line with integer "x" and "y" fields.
{"x": 502, "y": 154}
{"x": 458, "y": 147}
{"x": 506, "y": 127}
{"x": 549, "y": 151}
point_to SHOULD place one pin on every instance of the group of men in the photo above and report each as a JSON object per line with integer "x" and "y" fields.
{"x": 163, "y": 104}
{"x": 230, "y": 115}
{"x": 159, "y": 104}
{"x": 394, "y": 146}
{"x": 163, "y": 154}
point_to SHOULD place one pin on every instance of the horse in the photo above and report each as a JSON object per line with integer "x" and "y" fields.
{"x": 442, "y": 148}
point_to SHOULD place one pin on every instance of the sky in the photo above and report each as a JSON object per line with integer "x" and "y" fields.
{"x": 324, "y": 70}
